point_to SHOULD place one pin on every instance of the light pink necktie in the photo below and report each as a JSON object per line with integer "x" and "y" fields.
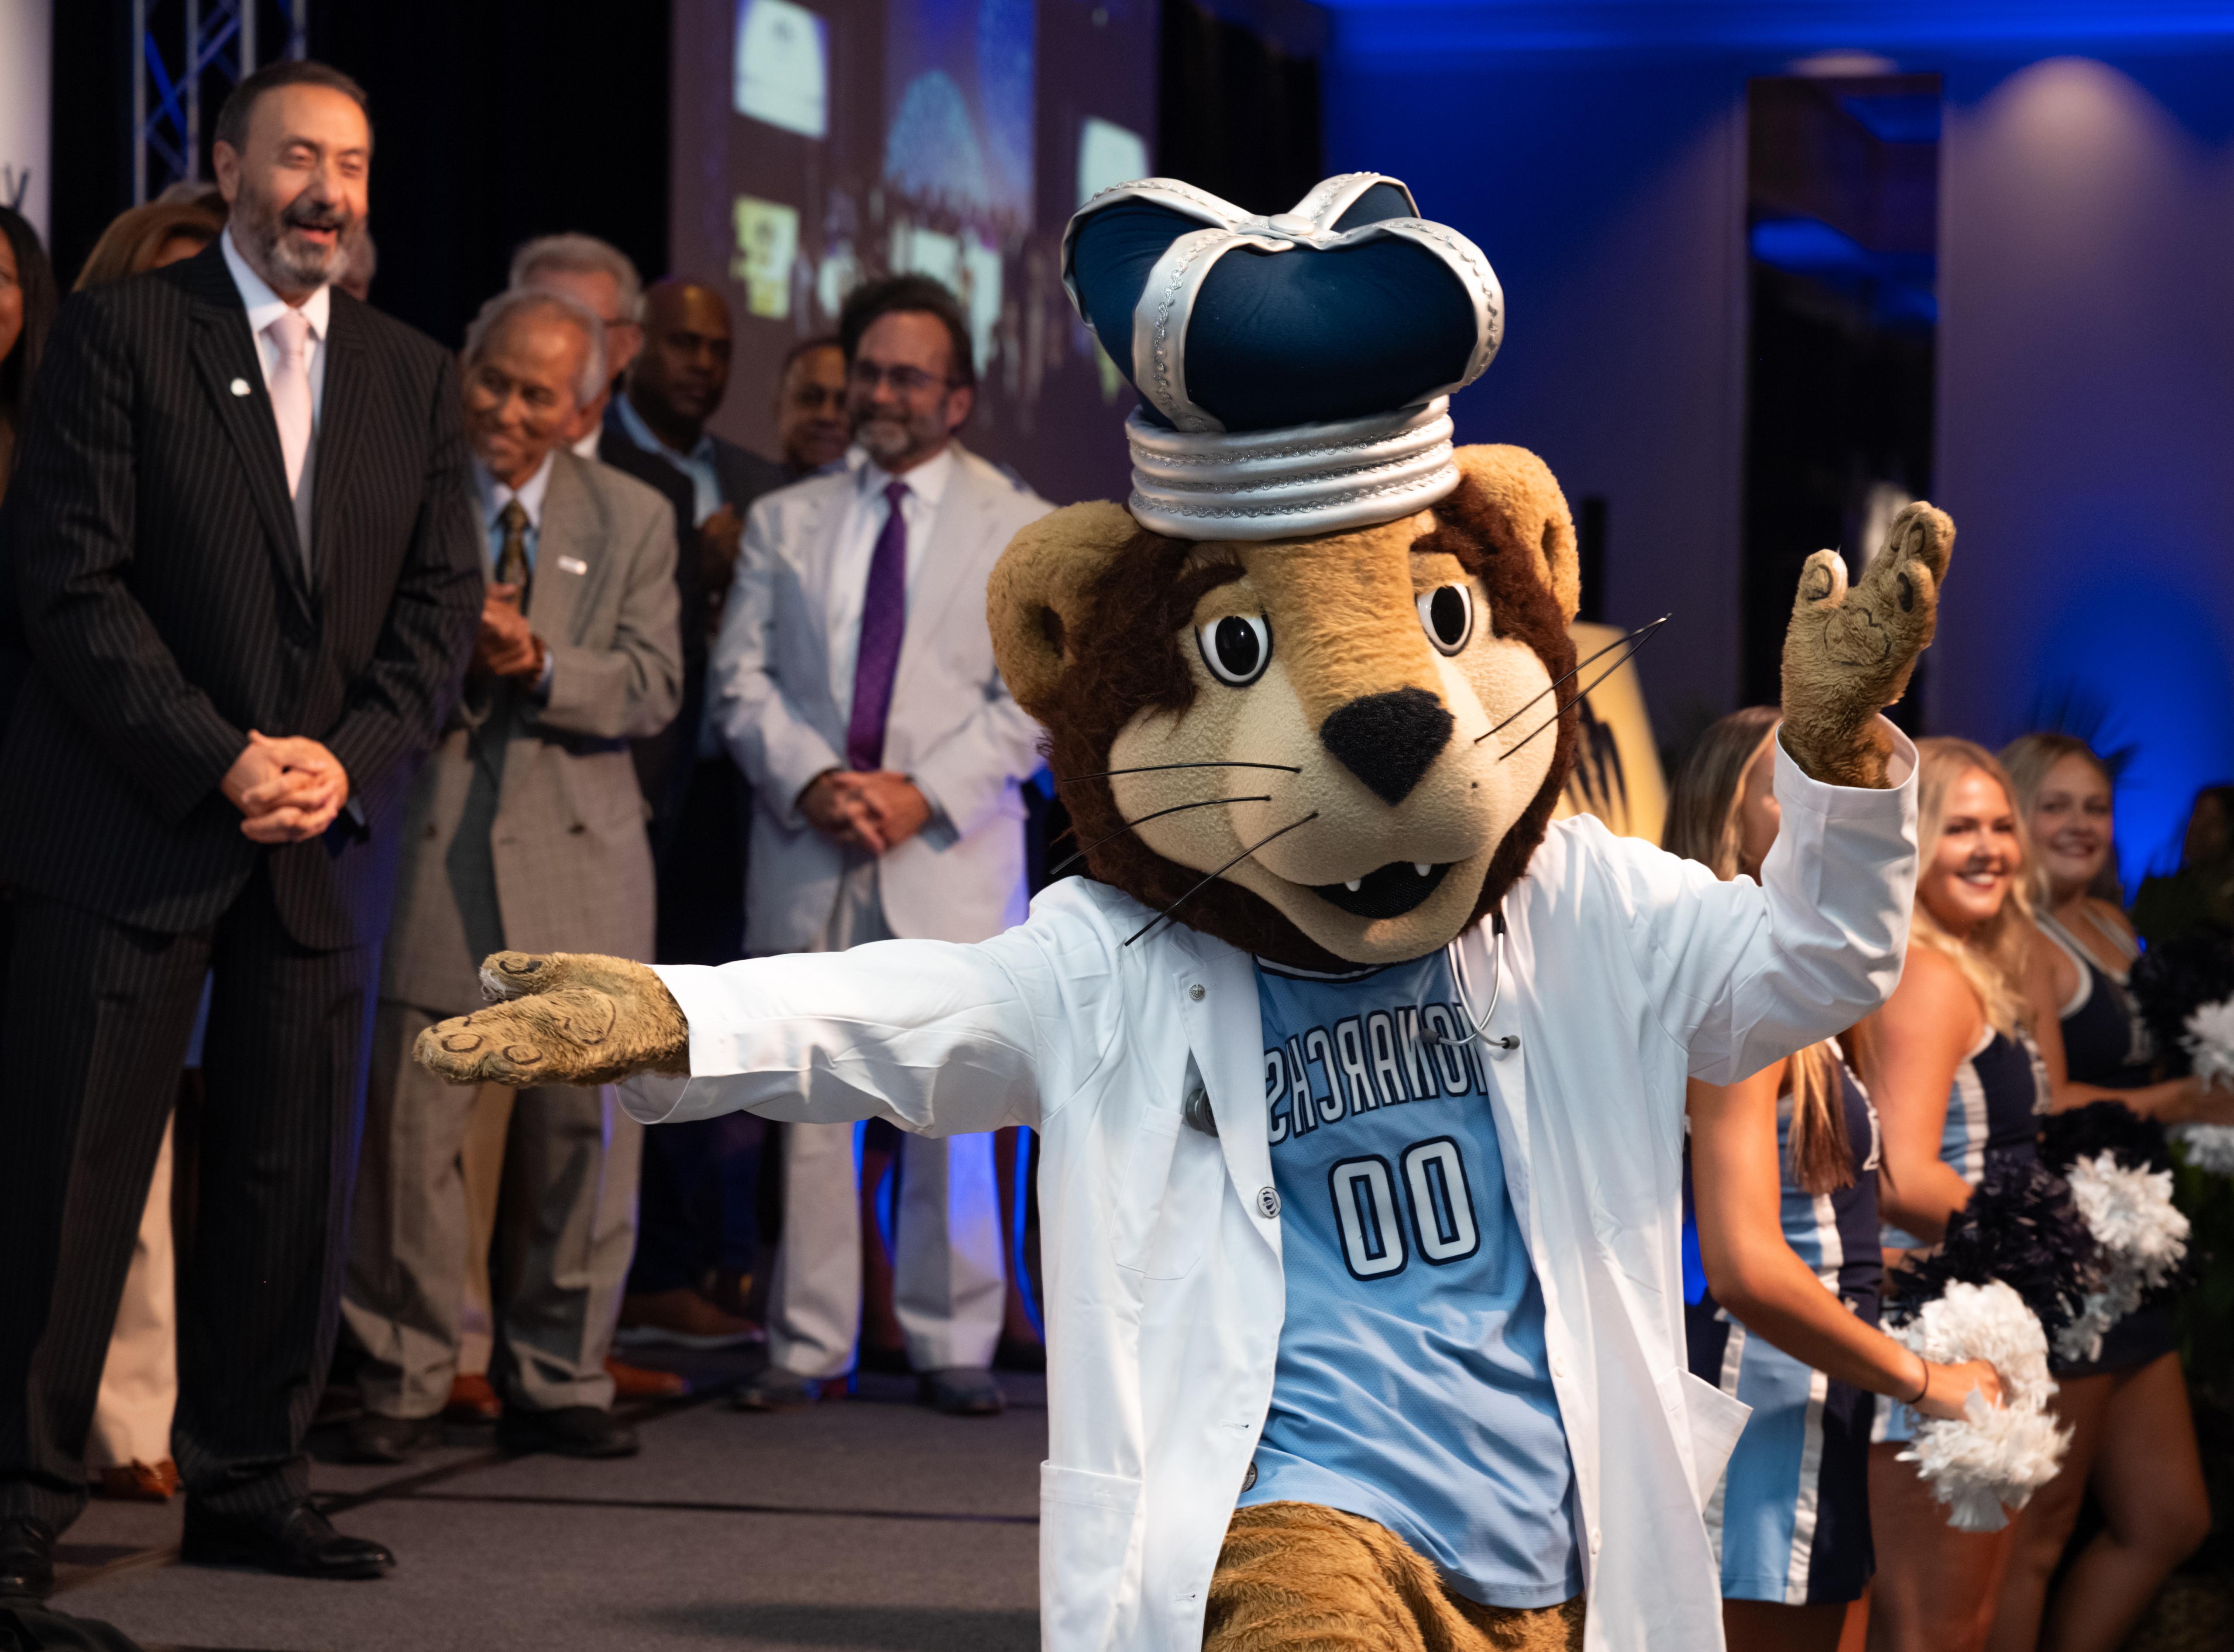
{"x": 291, "y": 392}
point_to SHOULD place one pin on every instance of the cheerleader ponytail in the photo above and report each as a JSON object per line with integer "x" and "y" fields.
{"x": 1822, "y": 1156}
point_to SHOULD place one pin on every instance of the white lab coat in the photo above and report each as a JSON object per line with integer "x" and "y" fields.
{"x": 1625, "y": 968}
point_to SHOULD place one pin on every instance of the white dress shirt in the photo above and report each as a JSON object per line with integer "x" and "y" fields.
{"x": 264, "y": 307}
{"x": 697, "y": 465}
{"x": 495, "y": 496}
{"x": 866, "y": 512}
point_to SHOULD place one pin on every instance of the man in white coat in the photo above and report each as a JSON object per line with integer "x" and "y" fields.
{"x": 856, "y": 689}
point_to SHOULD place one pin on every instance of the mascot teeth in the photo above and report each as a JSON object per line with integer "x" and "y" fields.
{"x": 1388, "y": 892}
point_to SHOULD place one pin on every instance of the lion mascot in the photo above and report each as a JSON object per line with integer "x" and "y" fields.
{"x": 1359, "y": 1081}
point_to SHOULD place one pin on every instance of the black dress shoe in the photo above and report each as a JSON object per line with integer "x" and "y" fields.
{"x": 26, "y": 1558}
{"x": 297, "y": 1540}
{"x": 569, "y": 1431}
{"x": 373, "y": 1438}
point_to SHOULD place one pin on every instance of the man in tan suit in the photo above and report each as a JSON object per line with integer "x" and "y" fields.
{"x": 526, "y": 829}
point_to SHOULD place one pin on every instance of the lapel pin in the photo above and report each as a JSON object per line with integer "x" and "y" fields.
{"x": 239, "y": 387}
{"x": 572, "y": 565}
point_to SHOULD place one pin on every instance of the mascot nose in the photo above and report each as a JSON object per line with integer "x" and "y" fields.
{"x": 1389, "y": 740}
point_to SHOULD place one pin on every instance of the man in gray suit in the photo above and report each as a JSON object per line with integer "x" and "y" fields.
{"x": 854, "y": 682}
{"x": 526, "y": 829}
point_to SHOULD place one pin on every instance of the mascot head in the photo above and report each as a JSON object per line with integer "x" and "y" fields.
{"x": 1300, "y": 693}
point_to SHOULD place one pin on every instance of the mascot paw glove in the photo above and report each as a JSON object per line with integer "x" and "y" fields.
{"x": 1849, "y": 651}
{"x": 561, "y": 1018}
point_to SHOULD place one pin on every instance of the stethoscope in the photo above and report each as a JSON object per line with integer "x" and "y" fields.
{"x": 1478, "y": 1025}
{"x": 1195, "y": 1109}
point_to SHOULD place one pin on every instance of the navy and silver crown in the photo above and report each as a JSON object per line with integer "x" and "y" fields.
{"x": 1296, "y": 370}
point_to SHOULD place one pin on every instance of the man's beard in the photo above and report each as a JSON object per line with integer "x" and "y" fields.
{"x": 888, "y": 440}
{"x": 302, "y": 266}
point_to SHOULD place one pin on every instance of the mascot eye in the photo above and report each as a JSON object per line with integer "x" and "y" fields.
{"x": 1237, "y": 649}
{"x": 1446, "y": 616}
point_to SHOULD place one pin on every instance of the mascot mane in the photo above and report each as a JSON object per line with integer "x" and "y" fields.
{"x": 1126, "y": 655}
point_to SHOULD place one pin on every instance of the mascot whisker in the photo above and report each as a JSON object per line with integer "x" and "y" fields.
{"x": 1364, "y": 1287}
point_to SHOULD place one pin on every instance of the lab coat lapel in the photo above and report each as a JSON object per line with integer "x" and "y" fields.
{"x": 1224, "y": 1029}
{"x": 1506, "y": 1071}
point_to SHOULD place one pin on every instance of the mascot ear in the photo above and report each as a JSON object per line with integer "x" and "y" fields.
{"x": 1507, "y": 496}
{"x": 1035, "y": 601}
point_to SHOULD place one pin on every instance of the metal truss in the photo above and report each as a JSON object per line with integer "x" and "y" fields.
{"x": 174, "y": 43}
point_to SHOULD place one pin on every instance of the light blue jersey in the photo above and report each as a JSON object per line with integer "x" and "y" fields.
{"x": 1413, "y": 1387}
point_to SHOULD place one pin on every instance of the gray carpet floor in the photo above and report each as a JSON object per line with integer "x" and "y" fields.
{"x": 871, "y": 1525}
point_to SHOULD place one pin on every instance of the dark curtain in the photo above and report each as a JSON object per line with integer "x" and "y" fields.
{"x": 1236, "y": 113}
{"x": 91, "y": 128}
{"x": 500, "y": 120}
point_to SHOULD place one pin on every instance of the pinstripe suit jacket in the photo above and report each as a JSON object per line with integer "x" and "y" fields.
{"x": 528, "y": 827}
{"x": 166, "y": 608}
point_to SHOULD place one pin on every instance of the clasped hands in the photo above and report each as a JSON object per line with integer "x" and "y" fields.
{"x": 877, "y": 811}
{"x": 506, "y": 647}
{"x": 288, "y": 788}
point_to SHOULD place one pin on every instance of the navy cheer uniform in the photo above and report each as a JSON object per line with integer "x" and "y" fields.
{"x": 1791, "y": 1518}
{"x": 1994, "y": 1109}
{"x": 2107, "y": 1042}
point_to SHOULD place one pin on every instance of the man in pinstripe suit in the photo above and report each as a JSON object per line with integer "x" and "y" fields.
{"x": 249, "y": 581}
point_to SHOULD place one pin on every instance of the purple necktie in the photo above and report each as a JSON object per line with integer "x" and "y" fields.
{"x": 884, "y": 619}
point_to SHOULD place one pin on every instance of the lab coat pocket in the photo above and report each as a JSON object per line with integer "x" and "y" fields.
{"x": 1174, "y": 1180}
{"x": 1089, "y": 1559}
{"x": 1147, "y": 1161}
{"x": 1711, "y": 1421}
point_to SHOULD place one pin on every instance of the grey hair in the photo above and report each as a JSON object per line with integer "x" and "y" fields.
{"x": 584, "y": 255}
{"x": 515, "y": 301}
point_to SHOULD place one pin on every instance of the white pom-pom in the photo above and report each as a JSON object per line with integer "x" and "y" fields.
{"x": 2143, "y": 1236}
{"x": 2210, "y": 1042}
{"x": 2209, "y": 1147}
{"x": 1992, "y": 1458}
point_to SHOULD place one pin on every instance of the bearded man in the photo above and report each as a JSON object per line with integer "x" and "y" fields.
{"x": 853, "y": 682}
{"x": 250, "y": 581}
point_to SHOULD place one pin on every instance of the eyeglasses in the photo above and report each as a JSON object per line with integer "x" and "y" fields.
{"x": 904, "y": 380}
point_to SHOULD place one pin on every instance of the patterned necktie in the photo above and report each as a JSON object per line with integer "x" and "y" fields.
{"x": 511, "y": 567}
{"x": 884, "y": 618}
{"x": 291, "y": 392}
